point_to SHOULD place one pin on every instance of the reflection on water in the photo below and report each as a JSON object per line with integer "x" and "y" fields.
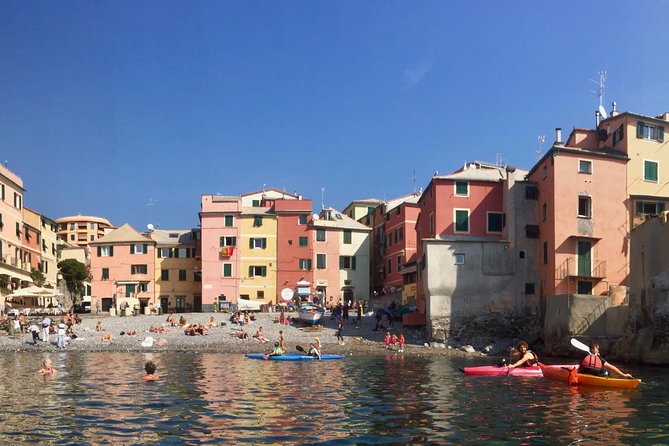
{"x": 99, "y": 398}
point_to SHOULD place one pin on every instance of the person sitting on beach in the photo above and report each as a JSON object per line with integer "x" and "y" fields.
{"x": 212, "y": 323}
{"x": 313, "y": 351}
{"x": 182, "y": 321}
{"x": 276, "y": 351}
{"x": 150, "y": 369}
{"x": 129, "y": 333}
{"x": 282, "y": 318}
{"x": 247, "y": 318}
{"x": 260, "y": 336}
{"x": 170, "y": 320}
{"x": 98, "y": 326}
{"x": 47, "y": 368}
{"x": 159, "y": 329}
{"x": 239, "y": 334}
{"x": 107, "y": 337}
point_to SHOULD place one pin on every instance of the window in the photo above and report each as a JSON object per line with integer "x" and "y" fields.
{"x": 529, "y": 289}
{"x": 545, "y": 171}
{"x": 302, "y": 219}
{"x": 645, "y": 131}
{"x": 532, "y": 231}
{"x": 545, "y": 253}
{"x": 228, "y": 241}
{"x": 164, "y": 253}
{"x": 458, "y": 258}
{"x": 304, "y": 241}
{"x": 228, "y": 221}
{"x": 388, "y": 239}
{"x": 182, "y": 275}
{"x": 462, "y": 188}
{"x": 257, "y": 271}
{"x": 182, "y": 253}
{"x": 347, "y": 262}
{"x": 399, "y": 263}
{"x": 431, "y": 224}
{"x": 71, "y": 226}
{"x": 462, "y": 220}
{"x": 650, "y": 171}
{"x": 180, "y": 302}
{"x": 18, "y": 230}
{"x": 138, "y": 269}
{"x": 320, "y": 235}
{"x": 521, "y": 254}
{"x": 398, "y": 211}
{"x": 618, "y": 135}
{"x": 389, "y": 269}
{"x": 227, "y": 270}
{"x": 257, "y": 221}
{"x": 164, "y": 275}
{"x": 544, "y": 212}
{"x": 142, "y": 287}
{"x": 2, "y": 192}
{"x": 305, "y": 265}
{"x": 197, "y": 276}
{"x": 260, "y": 295}
{"x": 584, "y": 206}
{"x": 321, "y": 261}
{"x": 105, "y": 273}
{"x": 256, "y": 203}
{"x": 139, "y": 249}
{"x": 584, "y": 166}
{"x": 649, "y": 208}
{"x": 399, "y": 234}
{"x": 92, "y": 238}
{"x": 495, "y": 221}
{"x": 257, "y": 243}
{"x": 105, "y": 251}
{"x": 71, "y": 236}
{"x": 347, "y": 236}
{"x": 532, "y": 193}
{"x": 17, "y": 200}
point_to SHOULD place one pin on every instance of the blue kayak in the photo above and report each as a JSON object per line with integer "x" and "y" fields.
{"x": 292, "y": 357}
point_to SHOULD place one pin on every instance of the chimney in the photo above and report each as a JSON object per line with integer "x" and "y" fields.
{"x": 597, "y": 116}
{"x": 614, "y": 112}
{"x": 558, "y": 135}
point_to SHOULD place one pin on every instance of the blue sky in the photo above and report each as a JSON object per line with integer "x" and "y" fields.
{"x": 108, "y": 106}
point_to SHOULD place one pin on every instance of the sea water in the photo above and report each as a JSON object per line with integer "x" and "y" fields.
{"x": 100, "y": 398}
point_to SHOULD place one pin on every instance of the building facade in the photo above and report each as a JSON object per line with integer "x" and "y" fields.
{"x": 177, "y": 274}
{"x": 14, "y": 271}
{"x": 81, "y": 230}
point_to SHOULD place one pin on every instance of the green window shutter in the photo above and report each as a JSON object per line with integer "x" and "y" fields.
{"x": 639, "y": 129}
{"x": 132, "y": 249}
{"x": 250, "y": 243}
{"x": 99, "y": 251}
{"x": 461, "y": 221}
{"x": 341, "y": 262}
{"x": 660, "y": 207}
{"x": 146, "y": 249}
{"x": 111, "y": 251}
{"x": 234, "y": 241}
{"x": 264, "y": 243}
{"x": 660, "y": 133}
{"x": 221, "y": 241}
{"x": 639, "y": 207}
{"x": 250, "y": 271}
{"x": 264, "y": 271}
{"x": 228, "y": 220}
{"x": 353, "y": 262}
{"x": 227, "y": 270}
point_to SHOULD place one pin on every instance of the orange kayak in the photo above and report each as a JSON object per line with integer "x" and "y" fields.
{"x": 562, "y": 374}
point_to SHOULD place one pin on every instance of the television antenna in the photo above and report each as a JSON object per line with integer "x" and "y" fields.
{"x": 150, "y": 204}
{"x": 322, "y": 198}
{"x": 541, "y": 139}
{"x": 601, "y": 86}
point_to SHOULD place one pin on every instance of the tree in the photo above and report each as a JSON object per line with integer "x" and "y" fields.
{"x": 37, "y": 276}
{"x": 74, "y": 274}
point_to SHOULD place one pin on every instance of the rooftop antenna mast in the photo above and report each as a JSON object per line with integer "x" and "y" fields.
{"x": 322, "y": 198}
{"x": 414, "y": 181}
{"x": 499, "y": 159}
{"x": 541, "y": 139}
{"x": 150, "y": 204}
{"x": 601, "y": 86}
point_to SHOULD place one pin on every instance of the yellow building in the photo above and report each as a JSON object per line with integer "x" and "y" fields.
{"x": 258, "y": 254}
{"x": 177, "y": 271}
{"x": 46, "y": 249}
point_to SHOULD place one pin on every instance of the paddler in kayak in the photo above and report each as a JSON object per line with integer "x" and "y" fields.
{"x": 523, "y": 356}
{"x": 276, "y": 351}
{"x": 594, "y": 364}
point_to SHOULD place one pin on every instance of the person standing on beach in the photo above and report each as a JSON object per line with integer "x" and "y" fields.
{"x": 46, "y": 324}
{"x": 282, "y": 341}
{"x": 340, "y": 331}
{"x": 401, "y": 341}
{"x": 35, "y": 332}
{"x": 61, "y": 335}
{"x": 387, "y": 339}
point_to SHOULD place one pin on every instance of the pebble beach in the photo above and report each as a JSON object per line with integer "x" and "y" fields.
{"x": 220, "y": 339}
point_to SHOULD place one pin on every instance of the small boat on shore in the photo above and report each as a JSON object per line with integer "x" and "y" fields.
{"x": 292, "y": 357}
{"x": 561, "y": 373}
{"x": 504, "y": 370}
{"x": 311, "y": 313}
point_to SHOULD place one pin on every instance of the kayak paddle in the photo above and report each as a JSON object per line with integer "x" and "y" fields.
{"x": 299, "y": 348}
{"x": 579, "y": 345}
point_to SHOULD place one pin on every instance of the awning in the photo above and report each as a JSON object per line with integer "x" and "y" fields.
{"x": 303, "y": 291}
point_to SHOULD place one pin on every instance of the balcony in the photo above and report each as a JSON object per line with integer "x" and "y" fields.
{"x": 569, "y": 270}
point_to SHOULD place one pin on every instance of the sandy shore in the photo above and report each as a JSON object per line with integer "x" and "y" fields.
{"x": 219, "y": 339}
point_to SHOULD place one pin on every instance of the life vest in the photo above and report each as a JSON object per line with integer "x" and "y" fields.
{"x": 531, "y": 362}
{"x": 593, "y": 360}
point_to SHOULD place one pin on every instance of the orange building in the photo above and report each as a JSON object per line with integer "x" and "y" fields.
{"x": 80, "y": 230}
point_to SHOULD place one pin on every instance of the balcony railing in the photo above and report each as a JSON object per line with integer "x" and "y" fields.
{"x": 569, "y": 269}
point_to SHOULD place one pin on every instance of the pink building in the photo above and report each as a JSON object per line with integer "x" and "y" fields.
{"x": 123, "y": 270}
{"x": 399, "y": 240}
{"x": 14, "y": 272}
{"x": 220, "y": 223}
{"x": 582, "y": 218}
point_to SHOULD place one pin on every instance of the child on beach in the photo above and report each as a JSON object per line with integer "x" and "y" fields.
{"x": 393, "y": 341}
{"x": 98, "y": 326}
{"x": 401, "y": 341}
{"x": 387, "y": 339}
{"x": 150, "y": 369}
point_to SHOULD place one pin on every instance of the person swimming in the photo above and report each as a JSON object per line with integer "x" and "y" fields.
{"x": 150, "y": 368}
{"x": 47, "y": 368}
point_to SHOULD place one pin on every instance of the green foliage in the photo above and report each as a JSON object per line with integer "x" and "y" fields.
{"x": 74, "y": 274}
{"x": 37, "y": 277}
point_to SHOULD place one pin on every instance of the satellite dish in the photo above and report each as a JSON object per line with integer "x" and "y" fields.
{"x": 602, "y": 111}
{"x": 149, "y": 227}
{"x": 316, "y": 217}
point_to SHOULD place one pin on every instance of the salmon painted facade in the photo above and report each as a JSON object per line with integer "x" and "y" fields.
{"x": 14, "y": 272}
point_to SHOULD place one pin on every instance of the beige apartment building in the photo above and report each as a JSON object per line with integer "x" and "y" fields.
{"x": 80, "y": 230}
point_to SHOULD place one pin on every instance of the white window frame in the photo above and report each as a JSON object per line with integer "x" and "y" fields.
{"x": 643, "y": 171}
{"x": 589, "y": 198}
{"x": 455, "y": 188}
{"x": 469, "y": 223}
{"x": 487, "y": 222}
{"x": 459, "y": 258}
{"x": 258, "y": 242}
{"x": 139, "y": 248}
{"x": 105, "y": 251}
{"x": 585, "y": 162}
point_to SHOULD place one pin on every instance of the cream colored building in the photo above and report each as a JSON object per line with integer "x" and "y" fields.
{"x": 81, "y": 230}
{"x": 47, "y": 242}
{"x": 177, "y": 270}
{"x": 258, "y": 254}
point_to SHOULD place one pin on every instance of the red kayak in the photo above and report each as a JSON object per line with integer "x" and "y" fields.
{"x": 503, "y": 370}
